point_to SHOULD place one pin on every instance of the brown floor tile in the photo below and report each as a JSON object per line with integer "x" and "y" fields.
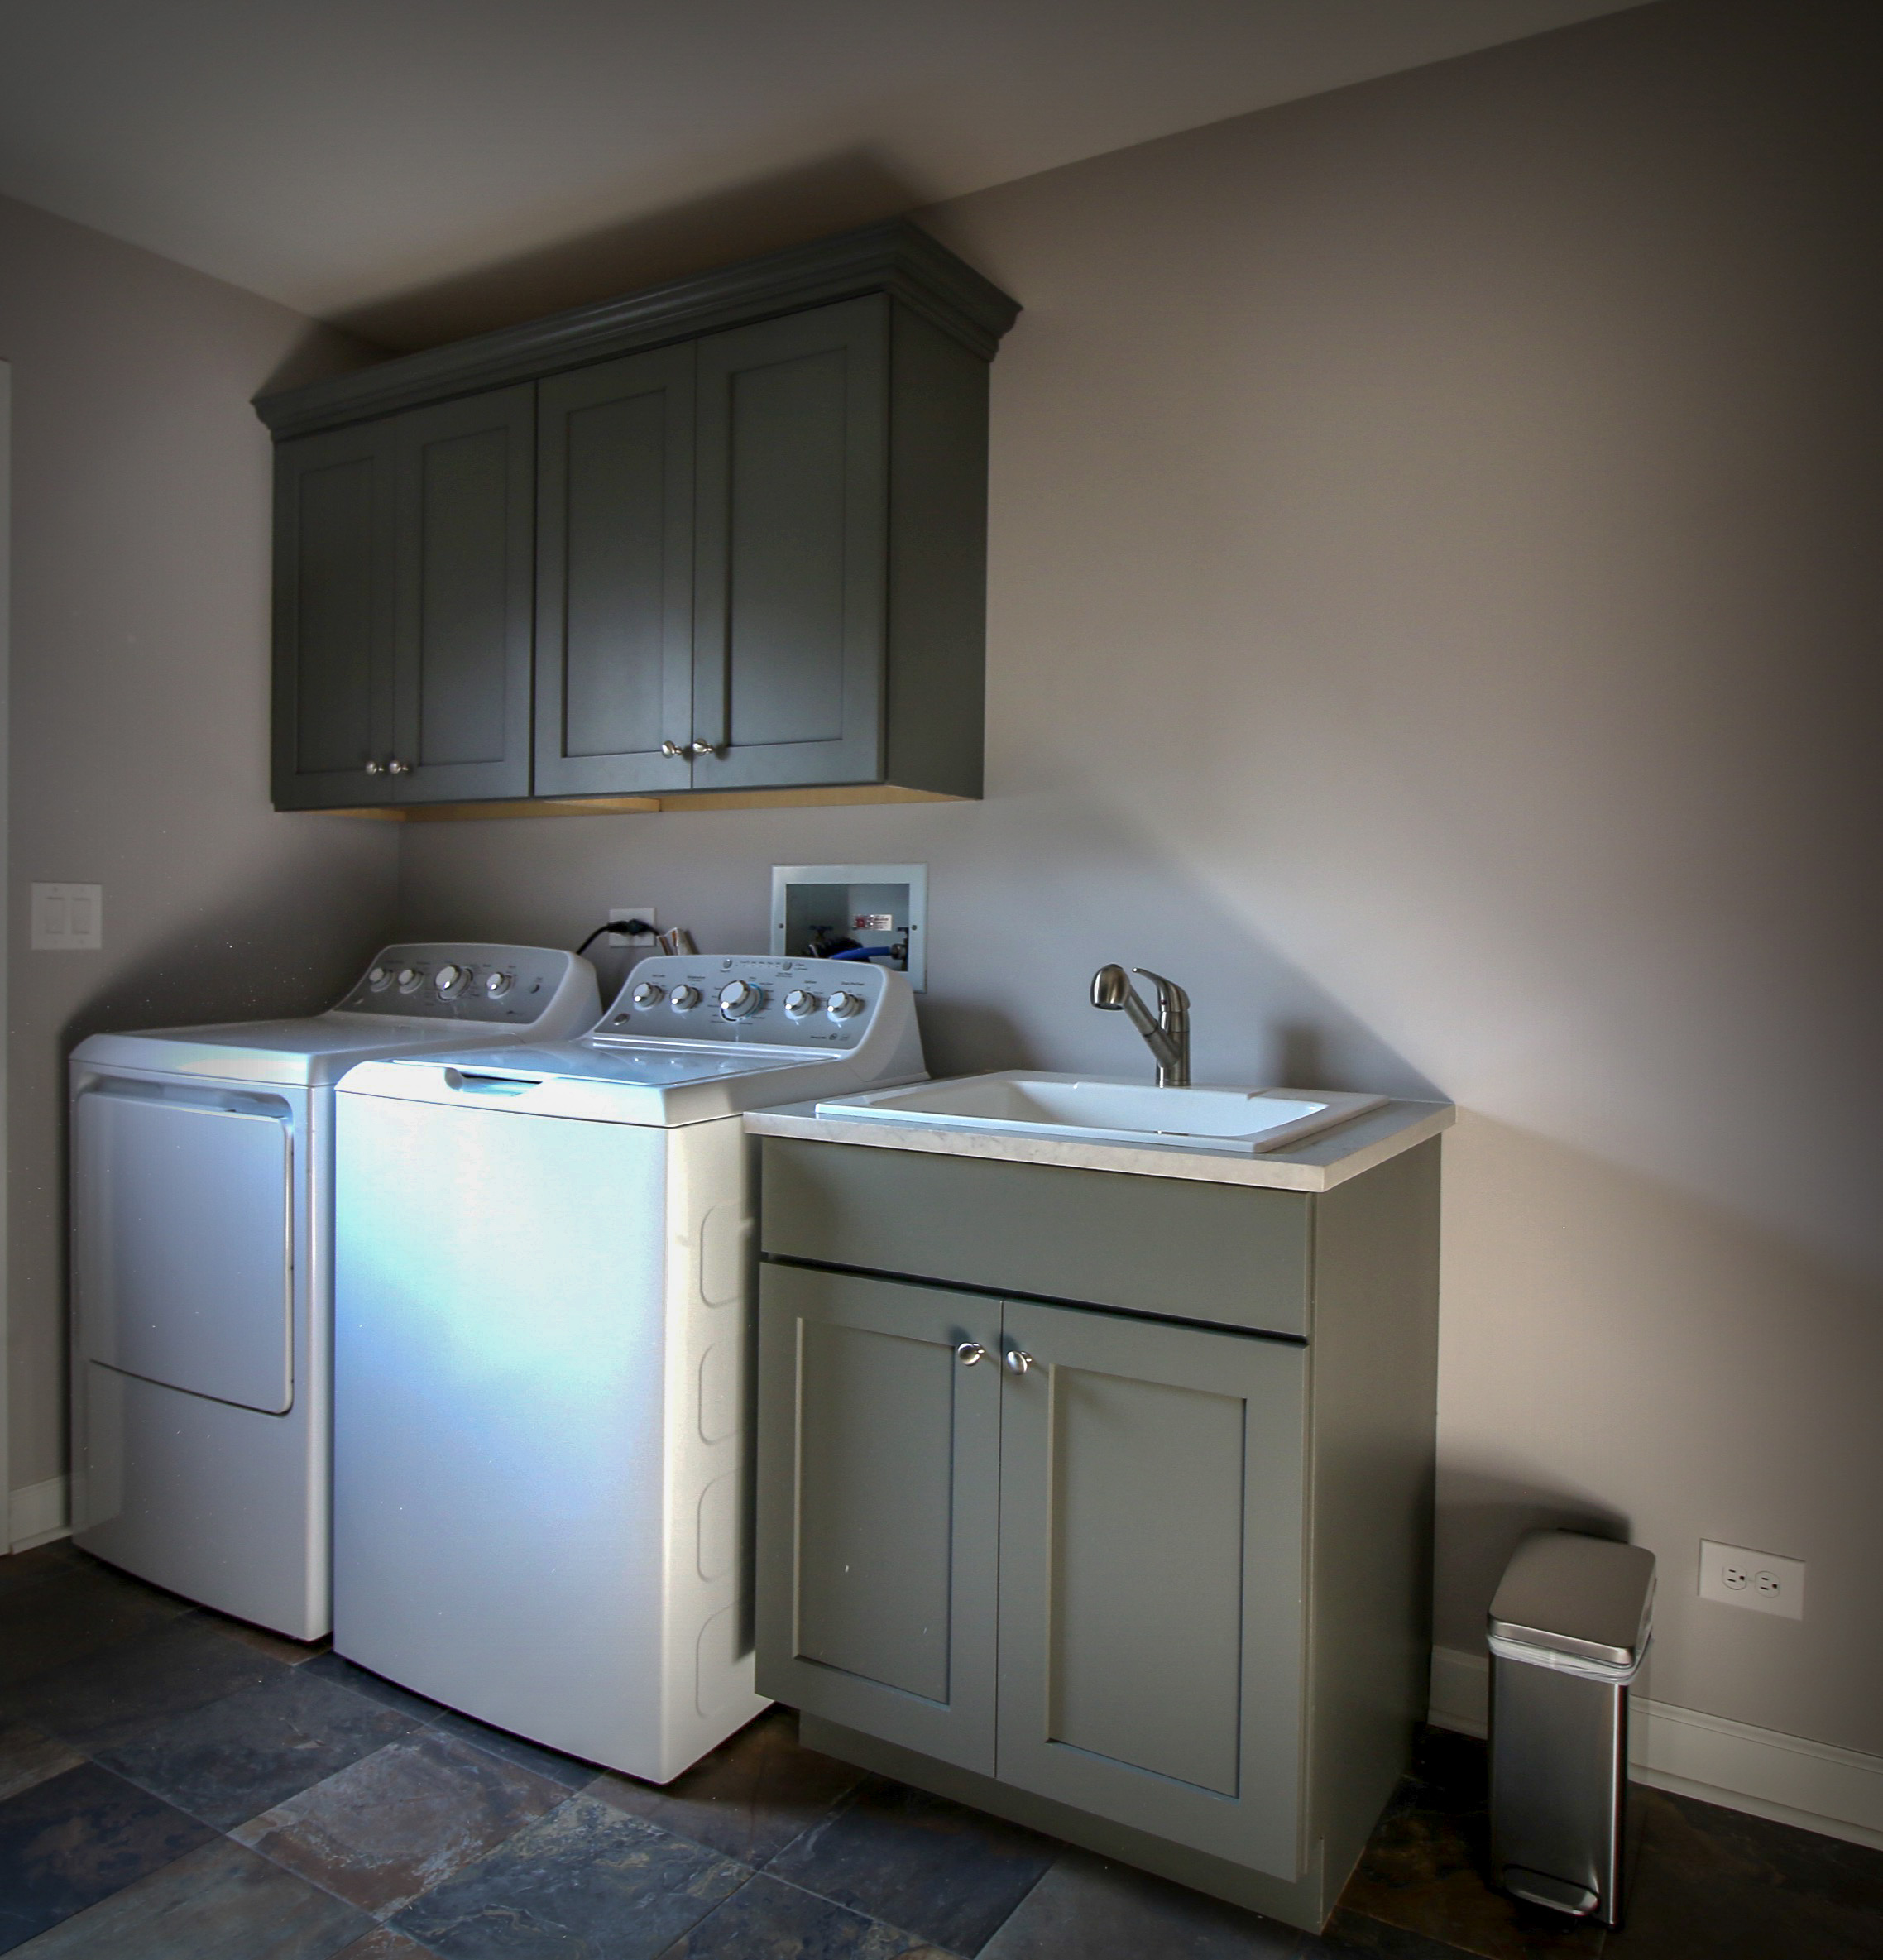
{"x": 1424, "y": 1873}
{"x": 1098, "y": 1910}
{"x": 754, "y": 1794}
{"x": 222, "y": 1902}
{"x": 383, "y": 1943}
{"x": 29, "y": 1755}
{"x": 396, "y": 1823}
{"x": 1714, "y": 1884}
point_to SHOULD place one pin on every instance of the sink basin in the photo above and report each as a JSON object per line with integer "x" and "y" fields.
{"x": 1088, "y": 1108}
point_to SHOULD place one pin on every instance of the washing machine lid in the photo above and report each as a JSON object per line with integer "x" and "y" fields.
{"x": 448, "y": 1001}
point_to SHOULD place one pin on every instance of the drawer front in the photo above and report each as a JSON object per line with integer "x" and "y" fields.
{"x": 1213, "y": 1253}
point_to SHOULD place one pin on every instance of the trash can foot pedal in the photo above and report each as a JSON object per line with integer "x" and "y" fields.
{"x": 1539, "y": 1888}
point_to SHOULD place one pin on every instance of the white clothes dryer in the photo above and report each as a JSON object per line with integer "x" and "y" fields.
{"x": 202, "y": 1272}
{"x": 543, "y": 1341}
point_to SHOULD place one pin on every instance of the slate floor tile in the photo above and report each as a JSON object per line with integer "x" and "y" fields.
{"x": 937, "y": 1868}
{"x": 71, "y": 1611}
{"x": 1101, "y": 1911}
{"x": 102, "y": 1700}
{"x": 1423, "y": 1874}
{"x": 568, "y": 1770}
{"x": 397, "y": 1822}
{"x": 29, "y": 1755}
{"x": 1349, "y": 1933}
{"x": 767, "y": 1920}
{"x": 749, "y": 1798}
{"x": 383, "y": 1943}
{"x": 26, "y": 1568}
{"x": 277, "y": 1646}
{"x": 330, "y": 1667}
{"x": 257, "y": 1747}
{"x": 76, "y": 1838}
{"x": 585, "y": 1879}
{"x": 220, "y": 1902}
{"x": 1714, "y": 1884}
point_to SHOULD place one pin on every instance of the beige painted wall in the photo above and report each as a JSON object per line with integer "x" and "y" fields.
{"x": 140, "y": 706}
{"x": 1433, "y": 614}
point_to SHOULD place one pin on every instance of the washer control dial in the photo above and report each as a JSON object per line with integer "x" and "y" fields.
{"x": 449, "y": 977}
{"x": 845, "y": 1004}
{"x": 497, "y": 985}
{"x": 739, "y": 998}
{"x": 648, "y": 993}
{"x": 683, "y": 999}
{"x": 409, "y": 978}
{"x": 378, "y": 978}
{"x": 800, "y": 1002}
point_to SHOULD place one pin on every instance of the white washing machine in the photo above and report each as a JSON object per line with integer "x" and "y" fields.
{"x": 543, "y": 1351}
{"x": 202, "y": 1275}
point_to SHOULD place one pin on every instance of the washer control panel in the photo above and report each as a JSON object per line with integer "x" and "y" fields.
{"x": 506, "y": 985}
{"x": 746, "y": 999}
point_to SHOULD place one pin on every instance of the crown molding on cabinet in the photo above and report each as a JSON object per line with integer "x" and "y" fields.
{"x": 895, "y": 258}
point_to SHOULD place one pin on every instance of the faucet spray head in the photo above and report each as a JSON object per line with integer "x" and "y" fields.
{"x": 1110, "y": 988}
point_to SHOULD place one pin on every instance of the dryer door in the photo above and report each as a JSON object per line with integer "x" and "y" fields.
{"x": 183, "y": 1228}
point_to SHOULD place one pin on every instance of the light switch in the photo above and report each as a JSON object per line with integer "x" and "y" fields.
{"x": 68, "y": 918}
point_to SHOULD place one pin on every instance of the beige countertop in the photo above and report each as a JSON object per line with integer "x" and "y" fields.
{"x": 1317, "y": 1164}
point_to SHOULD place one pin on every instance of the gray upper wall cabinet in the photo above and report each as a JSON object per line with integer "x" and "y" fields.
{"x": 727, "y": 535}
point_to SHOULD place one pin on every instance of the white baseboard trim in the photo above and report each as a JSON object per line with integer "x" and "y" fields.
{"x": 1819, "y": 1787}
{"x": 39, "y": 1513}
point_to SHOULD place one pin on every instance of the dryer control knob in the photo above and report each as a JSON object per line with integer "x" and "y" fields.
{"x": 648, "y": 993}
{"x": 843, "y": 1003}
{"x": 447, "y": 977}
{"x": 797, "y": 1003}
{"x": 740, "y": 998}
{"x": 497, "y": 985}
{"x": 683, "y": 999}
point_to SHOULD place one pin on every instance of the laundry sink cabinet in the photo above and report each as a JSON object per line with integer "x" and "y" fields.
{"x": 1101, "y": 1501}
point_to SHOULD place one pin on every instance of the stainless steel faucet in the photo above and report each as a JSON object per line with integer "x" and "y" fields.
{"x": 1166, "y": 1033}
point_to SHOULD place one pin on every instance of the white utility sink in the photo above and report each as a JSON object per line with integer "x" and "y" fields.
{"x": 1111, "y": 1112}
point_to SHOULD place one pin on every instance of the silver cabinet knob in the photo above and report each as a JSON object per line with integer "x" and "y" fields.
{"x": 1018, "y": 1361}
{"x": 672, "y": 749}
{"x": 702, "y": 749}
{"x": 376, "y": 769}
{"x": 396, "y": 768}
{"x": 969, "y": 1352}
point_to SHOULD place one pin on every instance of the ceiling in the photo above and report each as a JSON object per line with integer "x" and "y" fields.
{"x": 414, "y": 168}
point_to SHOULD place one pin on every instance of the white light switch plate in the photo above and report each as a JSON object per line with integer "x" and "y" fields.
{"x": 1758, "y": 1579}
{"x": 640, "y": 912}
{"x": 68, "y": 918}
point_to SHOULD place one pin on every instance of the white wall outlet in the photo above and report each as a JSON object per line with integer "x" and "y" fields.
{"x": 1758, "y": 1579}
{"x": 645, "y": 913}
{"x": 68, "y": 918}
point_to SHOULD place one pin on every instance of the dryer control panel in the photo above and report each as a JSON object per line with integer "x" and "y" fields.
{"x": 746, "y": 1000}
{"x": 505, "y": 985}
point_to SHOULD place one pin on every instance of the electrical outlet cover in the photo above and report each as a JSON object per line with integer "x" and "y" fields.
{"x": 68, "y": 918}
{"x": 1760, "y": 1581}
{"x": 640, "y": 912}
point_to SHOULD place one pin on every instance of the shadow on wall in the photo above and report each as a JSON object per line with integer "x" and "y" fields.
{"x": 281, "y": 947}
{"x": 851, "y": 188}
{"x": 1481, "y": 1517}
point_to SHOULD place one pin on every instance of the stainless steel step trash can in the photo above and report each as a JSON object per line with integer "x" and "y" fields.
{"x": 1568, "y": 1628}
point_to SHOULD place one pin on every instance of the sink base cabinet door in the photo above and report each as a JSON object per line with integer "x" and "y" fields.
{"x": 879, "y": 1462}
{"x": 1152, "y": 1579}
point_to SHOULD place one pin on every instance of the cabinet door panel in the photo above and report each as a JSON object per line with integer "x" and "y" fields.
{"x": 615, "y": 558}
{"x": 878, "y": 1465}
{"x": 1151, "y": 1579}
{"x": 333, "y": 616}
{"x": 462, "y": 661}
{"x": 791, "y": 591}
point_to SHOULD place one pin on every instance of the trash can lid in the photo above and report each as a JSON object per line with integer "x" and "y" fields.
{"x": 1571, "y": 1594}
